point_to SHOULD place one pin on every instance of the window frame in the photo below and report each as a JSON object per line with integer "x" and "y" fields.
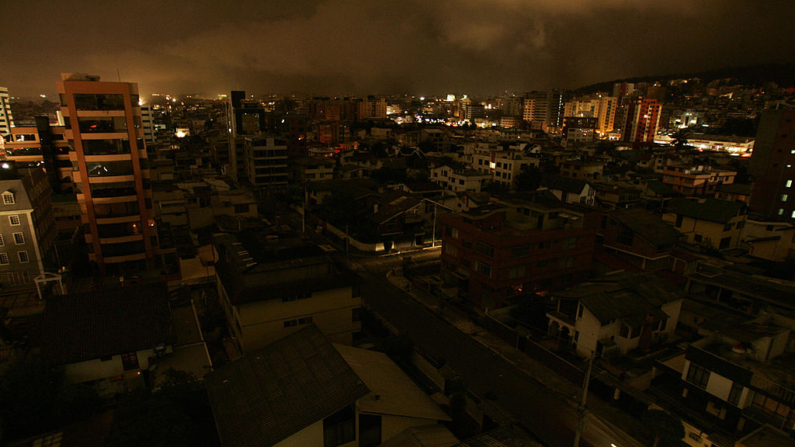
{"x": 19, "y": 238}
{"x": 13, "y": 217}
{"x": 8, "y": 195}
{"x": 21, "y": 254}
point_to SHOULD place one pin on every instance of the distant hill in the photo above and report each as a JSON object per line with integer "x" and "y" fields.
{"x": 752, "y": 75}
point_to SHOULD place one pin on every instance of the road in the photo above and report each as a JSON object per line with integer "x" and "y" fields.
{"x": 541, "y": 410}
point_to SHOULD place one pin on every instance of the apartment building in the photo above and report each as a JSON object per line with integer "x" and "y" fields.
{"x": 523, "y": 245}
{"x": 697, "y": 180}
{"x": 104, "y": 129}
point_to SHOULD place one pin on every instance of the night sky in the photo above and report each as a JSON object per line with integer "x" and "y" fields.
{"x": 380, "y": 47}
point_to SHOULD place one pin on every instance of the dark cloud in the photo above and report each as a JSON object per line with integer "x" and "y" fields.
{"x": 365, "y": 46}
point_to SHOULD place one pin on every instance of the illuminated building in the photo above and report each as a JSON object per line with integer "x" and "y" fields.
{"x": 642, "y": 121}
{"x": 773, "y": 165}
{"x": 6, "y": 118}
{"x": 111, "y": 176}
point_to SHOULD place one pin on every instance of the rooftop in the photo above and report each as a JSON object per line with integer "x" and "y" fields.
{"x": 647, "y": 225}
{"x": 91, "y": 325}
{"x": 711, "y": 210}
{"x": 271, "y": 394}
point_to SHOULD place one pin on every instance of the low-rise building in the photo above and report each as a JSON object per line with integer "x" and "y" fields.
{"x": 697, "y": 180}
{"x": 708, "y": 222}
{"x": 459, "y": 180}
{"x": 303, "y": 390}
{"x": 616, "y": 314}
{"x": 271, "y": 287}
{"x": 517, "y": 246}
{"x": 638, "y": 237}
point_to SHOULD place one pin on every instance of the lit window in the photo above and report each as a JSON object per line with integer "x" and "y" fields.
{"x": 784, "y": 197}
{"x": 14, "y": 219}
{"x": 788, "y": 184}
{"x": 3, "y": 259}
{"x": 23, "y": 257}
{"x": 8, "y": 199}
{"x": 19, "y": 238}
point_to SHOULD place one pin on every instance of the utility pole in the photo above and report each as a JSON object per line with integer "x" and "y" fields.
{"x": 433, "y": 234}
{"x": 582, "y": 411}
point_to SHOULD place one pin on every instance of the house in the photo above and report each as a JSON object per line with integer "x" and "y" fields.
{"x": 697, "y": 180}
{"x": 113, "y": 342}
{"x": 768, "y": 239}
{"x": 311, "y": 169}
{"x": 708, "y": 222}
{"x": 270, "y": 287}
{"x": 736, "y": 192}
{"x": 402, "y": 219}
{"x": 737, "y": 377}
{"x": 522, "y": 244}
{"x": 570, "y": 190}
{"x": 614, "y": 196}
{"x": 639, "y": 237}
{"x": 615, "y": 314}
{"x": 303, "y": 390}
{"x": 581, "y": 169}
{"x": 459, "y": 180}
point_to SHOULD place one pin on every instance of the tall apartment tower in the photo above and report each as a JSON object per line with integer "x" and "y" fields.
{"x": 6, "y": 119}
{"x": 642, "y": 121}
{"x": 111, "y": 175}
{"x": 773, "y": 165}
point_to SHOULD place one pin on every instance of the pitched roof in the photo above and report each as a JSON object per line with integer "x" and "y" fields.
{"x": 646, "y": 225}
{"x": 566, "y": 184}
{"x": 629, "y": 297}
{"x": 271, "y": 394}
{"x": 97, "y": 324}
{"x": 397, "y": 393}
{"x": 506, "y": 436}
{"x": 711, "y": 210}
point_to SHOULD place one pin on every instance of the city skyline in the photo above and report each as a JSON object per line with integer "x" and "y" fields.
{"x": 355, "y": 47}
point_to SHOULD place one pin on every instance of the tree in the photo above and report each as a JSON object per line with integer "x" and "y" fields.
{"x": 663, "y": 426}
{"x": 529, "y": 179}
{"x": 679, "y": 140}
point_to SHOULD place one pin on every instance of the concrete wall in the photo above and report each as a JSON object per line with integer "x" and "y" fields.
{"x": 262, "y": 322}
{"x": 97, "y": 369}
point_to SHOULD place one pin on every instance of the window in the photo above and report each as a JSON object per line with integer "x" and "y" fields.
{"x": 369, "y": 430}
{"x": 241, "y": 208}
{"x": 740, "y": 225}
{"x": 3, "y": 259}
{"x": 784, "y": 197}
{"x": 305, "y": 320}
{"x": 624, "y": 332}
{"x": 484, "y": 248}
{"x": 520, "y": 251}
{"x": 545, "y": 244}
{"x": 788, "y": 184}
{"x": 23, "y": 257}
{"x": 8, "y": 198}
{"x": 290, "y": 323}
{"x": 698, "y": 238}
{"x": 450, "y": 231}
{"x": 542, "y": 264}
{"x": 129, "y": 361}
{"x": 625, "y": 236}
{"x": 2, "y": 241}
{"x": 565, "y": 263}
{"x": 734, "y": 394}
{"x": 19, "y": 238}
{"x": 679, "y": 220}
{"x": 451, "y": 249}
{"x": 517, "y": 272}
{"x": 13, "y": 219}
{"x": 580, "y": 309}
{"x": 484, "y": 269}
{"x": 728, "y": 226}
{"x": 340, "y": 427}
{"x": 569, "y": 243}
{"x": 698, "y": 375}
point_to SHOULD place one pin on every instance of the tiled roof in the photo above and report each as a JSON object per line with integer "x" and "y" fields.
{"x": 629, "y": 297}
{"x": 96, "y": 324}
{"x": 711, "y": 210}
{"x": 566, "y": 184}
{"x": 647, "y": 225}
{"x": 271, "y": 394}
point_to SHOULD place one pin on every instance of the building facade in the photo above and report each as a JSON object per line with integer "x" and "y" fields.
{"x": 642, "y": 119}
{"x": 772, "y": 165}
{"x": 6, "y": 117}
{"x": 111, "y": 173}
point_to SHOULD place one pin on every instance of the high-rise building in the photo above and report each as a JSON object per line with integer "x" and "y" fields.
{"x": 773, "y": 165}
{"x": 544, "y": 108}
{"x": 111, "y": 177}
{"x": 642, "y": 120}
{"x": 266, "y": 161}
{"x": 608, "y": 105}
{"x": 6, "y": 118}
